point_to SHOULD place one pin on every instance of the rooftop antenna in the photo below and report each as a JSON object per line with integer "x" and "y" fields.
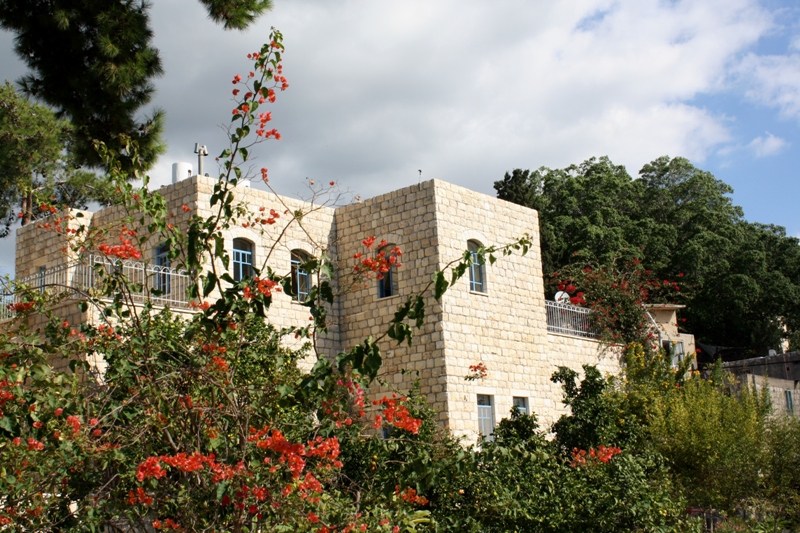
{"x": 201, "y": 152}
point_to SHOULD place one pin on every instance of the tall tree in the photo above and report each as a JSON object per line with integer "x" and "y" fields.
{"x": 93, "y": 61}
{"x": 680, "y": 221}
{"x": 36, "y": 165}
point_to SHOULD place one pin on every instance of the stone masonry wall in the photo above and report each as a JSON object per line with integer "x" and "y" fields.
{"x": 406, "y": 218}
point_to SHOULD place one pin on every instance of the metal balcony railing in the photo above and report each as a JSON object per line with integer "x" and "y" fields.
{"x": 84, "y": 278}
{"x": 569, "y": 319}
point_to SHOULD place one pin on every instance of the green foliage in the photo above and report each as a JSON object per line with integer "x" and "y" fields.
{"x": 101, "y": 76}
{"x": 94, "y": 62}
{"x": 36, "y": 165}
{"x": 597, "y": 417}
{"x": 236, "y": 14}
{"x": 520, "y": 429}
{"x": 745, "y": 277}
{"x": 646, "y": 376}
{"x": 521, "y": 482}
{"x": 783, "y": 468}
{"x": 713, "y": 435}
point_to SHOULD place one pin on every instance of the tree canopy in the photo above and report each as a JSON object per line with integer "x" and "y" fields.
{"x": 94, "y": 62}
{"x": 36, "y": 164}
{"x": 742, "y": 279}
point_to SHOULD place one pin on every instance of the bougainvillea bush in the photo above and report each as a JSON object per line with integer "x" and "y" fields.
{"x": 617, "y": 292}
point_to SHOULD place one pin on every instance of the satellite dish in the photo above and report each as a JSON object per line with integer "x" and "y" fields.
{"x": 562, "y": 297}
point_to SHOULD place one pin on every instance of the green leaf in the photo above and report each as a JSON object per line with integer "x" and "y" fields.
{"x": 326, "y": 292}
{"x": 209, "y": 284}
{"x": 440, "y": 285}
{"x": 221, "y": 488}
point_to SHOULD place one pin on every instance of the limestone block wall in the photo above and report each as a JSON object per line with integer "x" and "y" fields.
{"x": 39, "y": 245}
{"x": 503, "y": 327}
{"x": 782, "y": 403}
{"x": 406, "y": 218}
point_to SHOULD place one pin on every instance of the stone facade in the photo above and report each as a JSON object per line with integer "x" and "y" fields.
{"x": 503, "y": 324}
{"x": 680, "y": 344}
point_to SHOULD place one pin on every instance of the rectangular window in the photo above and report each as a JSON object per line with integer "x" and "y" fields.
{"x": 388, "y": 285}
{"x": 521, "y": 404}
{"x": 675, "y": 349}
{"x": 485, "y": 415}
{"x": 301, "y": 280}
{"x": 679, "y": 351}
{"x": 789, "y": 402}
{"x": 243, "y": 259}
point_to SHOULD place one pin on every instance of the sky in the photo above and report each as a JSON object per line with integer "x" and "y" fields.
{"x": 467, "y": 90}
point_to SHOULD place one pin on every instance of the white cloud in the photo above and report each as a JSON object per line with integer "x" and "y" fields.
{"x": 765, "y": 146}
{"x": 774, "y": 81}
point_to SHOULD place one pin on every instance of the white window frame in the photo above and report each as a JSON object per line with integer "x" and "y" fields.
{"x": 486, "y": 420}
{"x": 523, "y": 408}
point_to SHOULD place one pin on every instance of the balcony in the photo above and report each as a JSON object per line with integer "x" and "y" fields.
{"x": 84, "y": 279}
{"x": 568, "y": 319}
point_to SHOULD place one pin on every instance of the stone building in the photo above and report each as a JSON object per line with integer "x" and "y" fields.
{"x": 665, "y": 318}
{"x": 497, "y": 315}
{"x": 778, "y": 373}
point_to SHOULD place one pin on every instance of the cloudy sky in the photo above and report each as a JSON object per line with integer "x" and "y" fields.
{"x": 466, "y": 90}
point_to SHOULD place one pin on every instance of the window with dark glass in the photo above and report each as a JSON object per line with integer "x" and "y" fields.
{"x": 387, "y": 286}
{"x": 477, "y": 271}
{"x": 301, "y": 279}
{"x": 162, "y": 270}
{"x": 242, "y": 259}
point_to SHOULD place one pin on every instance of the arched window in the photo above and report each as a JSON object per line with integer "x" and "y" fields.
{"x": 477, "y": 269}
{"x": 387, "y": 285}
{"x": 162, "y": 272}
{"x": 243, "y": 259}
{"x": 301, "y": 279}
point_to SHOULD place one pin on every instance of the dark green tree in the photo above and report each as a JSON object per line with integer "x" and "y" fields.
{"x": 743, "y": 278}
{"x": 93, "y": 61}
